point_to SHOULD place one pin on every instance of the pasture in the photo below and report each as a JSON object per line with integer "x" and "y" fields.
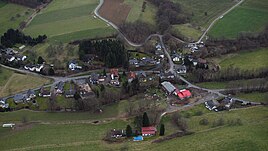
{"x": 67, "y": 21}
{"x": 251, "y": 135}
{"x": 11, "y": 15}
{"x": 251, "y": 16}
{"x": 197, "y": 10}
{"x": 249, "y": 60}
{"x": 12, "y": 83}
{"x": 254, "y": 96}
{"x": 186, "y": 31}
{"x": 136, "y": 12}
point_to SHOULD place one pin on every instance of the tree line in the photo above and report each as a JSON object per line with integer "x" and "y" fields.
{"x": 137, "y": 31}
{"x": 169, "y": 13}
{"x": 245, "y": 42}
{"x": 229, "y": 74}
{"x": 112, "y": 52}
{"x": 13, "y": 37}
{"x": 29, "y": 3}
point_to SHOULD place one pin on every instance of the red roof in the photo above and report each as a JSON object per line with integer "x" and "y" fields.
{"x": 132, "y": 75}
{"x": 183, "y": 93}
{"x": 148, "y": 130}
{"x": 114, "y": 72}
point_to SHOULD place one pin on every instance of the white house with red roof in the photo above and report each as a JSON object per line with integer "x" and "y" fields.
{"x": 148, "y": 131}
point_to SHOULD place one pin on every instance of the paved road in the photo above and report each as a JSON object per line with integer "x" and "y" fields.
{"x": 214, "y": 21}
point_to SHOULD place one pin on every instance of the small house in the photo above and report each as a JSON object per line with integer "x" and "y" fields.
{"x": 148, "y": 131}
{"x": 73, "y": 65}
{"x": 131, "y": 76}
{"x": 212, "y": 105}
{"x": 117, "y": 133}
{"x": 44, "y": 92}
{"x": 60, "y": 87}
{"x": 19, "y": 98}
{"x": 3, "y": 104}
{"x": 10, "y": 58}
{"x": 181, "y": 69}
{"x": 94, "y": 78}
{"x": 30, "y": 95}
{"x": 183, "y": 94}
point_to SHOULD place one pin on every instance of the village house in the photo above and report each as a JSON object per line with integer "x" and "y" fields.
{"x": 10, "y": 58}
{"x": 176, "y": 57}
{"x": 224, "y": 104}
{"x": 30, "y": 95}
{"x": 73, "y": 65}
{"x": 142, "y": 76}
{"x": 117, "y": 133}
{"x": 59, "y": 87}
{"x": 19, "y": 98}
{"x": 134, "y": 62}
{"x": 183, "y": 94}
{"x": 148, "y": 131}
{"x": 94, "y": 78}
{"x": 70, "y": 93}
{"x": 168, "y": 87}
{"x": 131, "y": 76}
{"x": 44, "y": 92}
{"x": 114, "y": 77}
{"x": 3, "y": 104}
{"x": 167, "y": 76}
{"x": 181, "y": 69}
{"x": 84, "y": 89}
{"x": 20, "y": 57}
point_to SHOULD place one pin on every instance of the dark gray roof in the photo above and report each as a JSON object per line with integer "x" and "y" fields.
{"x": 168, "y": 86}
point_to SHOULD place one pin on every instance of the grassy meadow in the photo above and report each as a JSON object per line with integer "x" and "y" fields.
{"x": 148, "y": 16}
{"x": 11, "y": 15}
{"x": 251, "y": 16}
{"x": 11, "y": 82}
{"x": 65, "y": 21}
{"x": 249, "y": 60}
{"x": 251, "y": 135}
{"x": 254, "y": 96}
{"x": 187, "y": 31}
{"x": 197, "y": 9}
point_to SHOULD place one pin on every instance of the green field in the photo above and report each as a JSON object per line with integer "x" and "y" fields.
{"x": 213, "y": 85}
{"x": 187, "y": 31}
{"x": 11, "y": 15}
{"x": 251, "y": 135}
{"x": 255, "y": 96}
{"x": 247, "y": 60}
{"x": 148, "y": 16}
{"x": 251, "y": 16}
{"x": 65, "y": 21}
{"x": 11, "y": 82}
{"x": 197, "y": 9}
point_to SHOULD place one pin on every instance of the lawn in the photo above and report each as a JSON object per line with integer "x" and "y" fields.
{"x": 148, "y": 16}
{"x": 254, "y": 96}
{"x": 247, "y": 60}
{"x": 16, "y": 12}
{"x": 251, "y": 16}
{"x": 4, "y": 76}
{"x": 19, "y": 82}
{"x": 66, "y": 21}
{"x": 213, "y": 85}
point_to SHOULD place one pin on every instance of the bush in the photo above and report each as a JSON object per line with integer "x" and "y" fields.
{"x": 204, "y": 121}
{"x": 219, "y": 122}
{"x": 198, "y": 113}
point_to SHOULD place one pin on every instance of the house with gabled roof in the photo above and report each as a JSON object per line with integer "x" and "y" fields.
{"x": 148, "y": 131}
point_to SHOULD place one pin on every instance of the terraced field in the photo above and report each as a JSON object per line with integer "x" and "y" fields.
{"x": 251, "y": 16}
{"x": 69, "y": 20}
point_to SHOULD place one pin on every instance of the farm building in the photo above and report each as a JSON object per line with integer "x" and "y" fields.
{"x": 168, "y": 87}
